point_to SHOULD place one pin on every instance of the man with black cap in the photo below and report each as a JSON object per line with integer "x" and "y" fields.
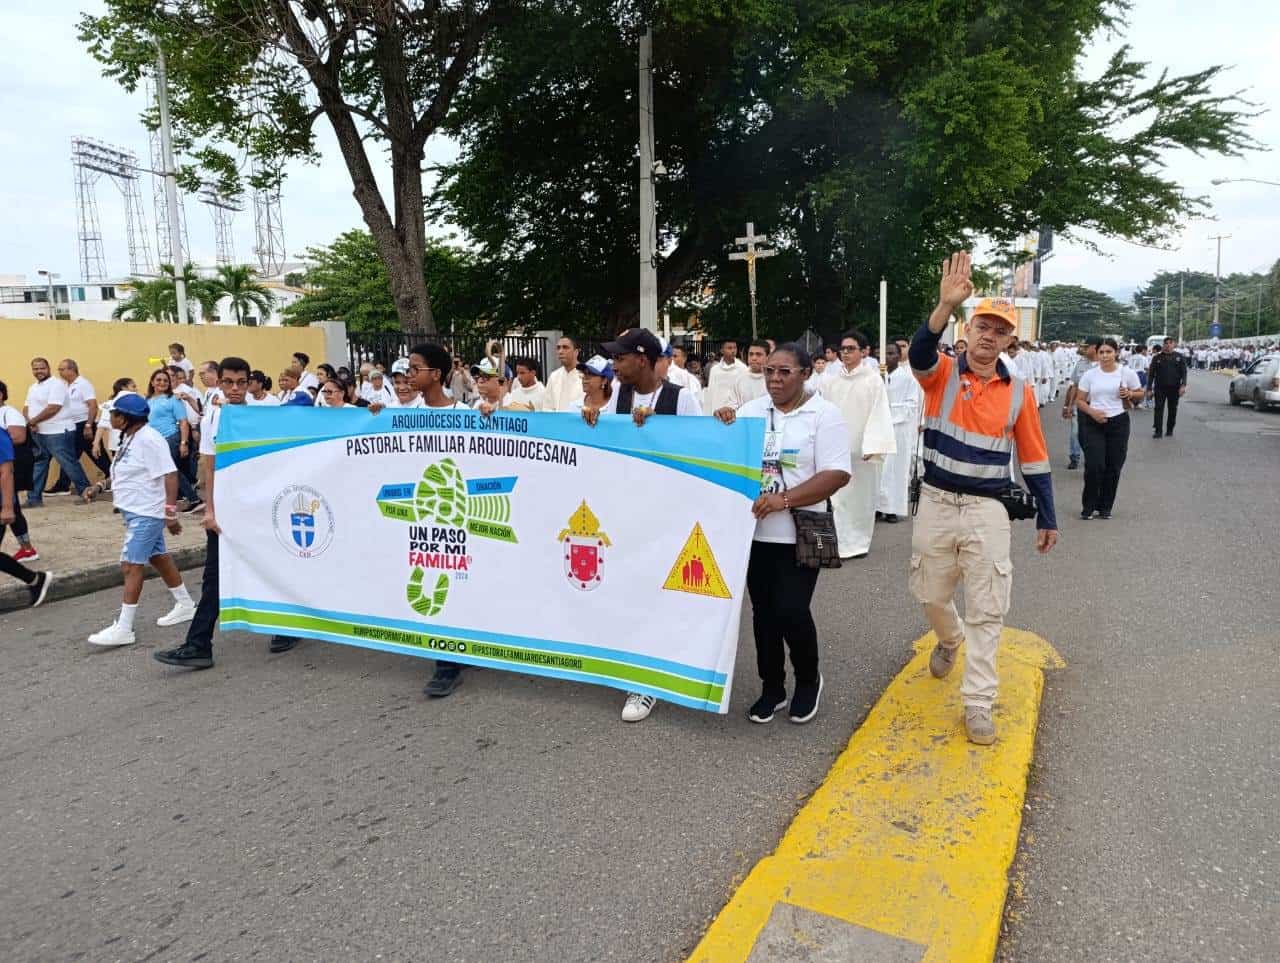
{"x": 640, "y": 393}
{"x": 1167, "y": 380}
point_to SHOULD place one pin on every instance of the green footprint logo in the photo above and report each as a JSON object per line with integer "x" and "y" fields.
{"x": 442, "y": 494}
{"x": 419, "y": 599}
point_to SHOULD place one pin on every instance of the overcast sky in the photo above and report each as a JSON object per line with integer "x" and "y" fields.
{"x": 53, "y": 91}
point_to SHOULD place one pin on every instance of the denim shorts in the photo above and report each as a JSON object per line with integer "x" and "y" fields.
{"x": 143, "y": 538}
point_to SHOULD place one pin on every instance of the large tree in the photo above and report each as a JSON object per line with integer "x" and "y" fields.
{"x": 865, "y": 138}
{"x": 347, "y": 281}
{"x": 1249, "y": 299}
{"x": 259, "y": 74}
{"x": 1070, "y": 312}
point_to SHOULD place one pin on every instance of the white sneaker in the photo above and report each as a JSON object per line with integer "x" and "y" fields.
{"x": 181, "y": 612}
{"x": 112, "y": 635}
{"x": 637, "y": 707}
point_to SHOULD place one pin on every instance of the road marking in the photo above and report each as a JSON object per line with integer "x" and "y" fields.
{"x": 910, "y": 836}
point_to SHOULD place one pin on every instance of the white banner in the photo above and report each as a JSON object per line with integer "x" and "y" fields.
{"x": 614, "y": 555}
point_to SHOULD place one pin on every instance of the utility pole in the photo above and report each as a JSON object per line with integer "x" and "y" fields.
{"x": 171, "y": 189}
{"x": 648, "y": 208}
{"x": 1166, "y": 310}
{"x": 1257, "y": 331}
{"x": 1181, "y": 280}
{"x": 1235, "y": 303}
{"x": 1217, "y": 278}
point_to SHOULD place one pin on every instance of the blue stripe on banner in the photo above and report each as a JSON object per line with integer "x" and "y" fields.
{"x": 569, "y": 674}
{"x": 283, "y": 428}
{"x": 396, "y": 493}
{"x": 491, "y": 486}
{"x": 498, "y": 638}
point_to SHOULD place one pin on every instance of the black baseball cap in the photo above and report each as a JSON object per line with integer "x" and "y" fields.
{"x": 634, "y": 341}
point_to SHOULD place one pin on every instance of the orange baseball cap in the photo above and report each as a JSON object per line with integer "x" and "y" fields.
{"x": 1002, "y": 308}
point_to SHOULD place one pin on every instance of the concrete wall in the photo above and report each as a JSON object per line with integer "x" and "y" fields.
{"x": 106, "y": 351}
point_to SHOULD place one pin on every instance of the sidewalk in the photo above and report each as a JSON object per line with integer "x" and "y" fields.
{"x": 80, "y": 544}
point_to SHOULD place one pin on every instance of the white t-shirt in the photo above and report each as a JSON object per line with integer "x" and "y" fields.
{"x": 686, "y": 401}
{"x": 1103, "y": 388}
{"x": 185, "y": 364}
{"x": 104, "y": 421}
{"x": 267, "y": 399}
{"x": 79, "y": 393}
{"x": 814, "y": 438}
{"x": 11, "y": 417}
{"x": 308, "y": 381}
{"x": 414, "y": 402}
{"x": 209, "y": 430}
{"x": 137, "y": 473}
{"x": 534, "y": 395}
{"x": 190, "y": 399}
{"x": 42, "y": 394}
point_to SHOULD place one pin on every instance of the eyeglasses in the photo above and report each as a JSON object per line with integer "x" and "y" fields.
{"x": 330, "y": 391}
{"x": 415, "y": 368}
{"x": 848, "y": 348}
{"x": 235, "y": 382}
{"x": 782, "y": 372}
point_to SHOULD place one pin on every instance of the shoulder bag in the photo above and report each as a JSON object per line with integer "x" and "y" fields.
{"x": 816, "y": 544}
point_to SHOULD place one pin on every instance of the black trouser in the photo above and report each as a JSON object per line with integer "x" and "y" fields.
{"x": 780, "y": 593}
{"x": 1105, "y": 448}
{"x": 9, "y": 567}
{"x": 1166, "y": 396}
{"x": 84, "y": 446}
{"x": 186, "y": 489}
{"x": 200, "y": 632}
{"x": 19, "y": 525}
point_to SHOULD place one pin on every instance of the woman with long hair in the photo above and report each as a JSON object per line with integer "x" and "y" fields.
{"x": 168, "y": 416}
{"x": 106, "y": 440}
{"x": 1104, "y": 396}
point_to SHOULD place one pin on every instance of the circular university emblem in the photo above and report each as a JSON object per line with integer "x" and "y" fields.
{"x": 303, "y": 521}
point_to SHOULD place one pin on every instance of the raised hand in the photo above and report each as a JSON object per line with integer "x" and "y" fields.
{"x": 957, "y": 284}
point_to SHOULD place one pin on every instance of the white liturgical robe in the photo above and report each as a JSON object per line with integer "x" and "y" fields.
{"x": 861, "y": 397}
{"x": 906, "y": 398}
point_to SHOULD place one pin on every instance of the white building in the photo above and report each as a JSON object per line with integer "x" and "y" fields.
{"x": 98, "y": 300}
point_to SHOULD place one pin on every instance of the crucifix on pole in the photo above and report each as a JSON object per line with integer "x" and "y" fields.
{"x": 750, "y": 255}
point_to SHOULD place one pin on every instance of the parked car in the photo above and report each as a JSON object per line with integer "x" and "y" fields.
{"x": 1258, "y": 383}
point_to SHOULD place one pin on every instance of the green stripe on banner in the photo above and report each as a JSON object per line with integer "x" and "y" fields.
{"x": 514, "y": 656}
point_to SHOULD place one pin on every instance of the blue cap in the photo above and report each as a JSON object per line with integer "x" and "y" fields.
{"x": 132, "y": 404}
{"x": 597, "y": 365}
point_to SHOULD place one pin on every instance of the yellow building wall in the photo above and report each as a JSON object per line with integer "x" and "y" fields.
{"x": 107, "y": 350}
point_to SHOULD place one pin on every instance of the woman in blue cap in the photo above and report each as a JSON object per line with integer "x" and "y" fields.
{"x": 144, "y": 487}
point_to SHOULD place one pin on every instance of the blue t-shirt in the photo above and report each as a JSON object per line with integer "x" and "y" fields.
{"x": 166, "y": 413}
{"x": 6, "y": 447}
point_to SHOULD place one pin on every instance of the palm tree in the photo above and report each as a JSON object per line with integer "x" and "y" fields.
{"x": 152, "y": 300}
{"x": 240, "y": 284}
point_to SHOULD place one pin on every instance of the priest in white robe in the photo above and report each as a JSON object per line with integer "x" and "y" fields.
{"x": 860, "y": 395}
{"x": 906, "y": 400}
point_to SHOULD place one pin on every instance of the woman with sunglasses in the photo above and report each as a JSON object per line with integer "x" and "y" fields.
{"x": 168, "y": 415}
{"x": 806, "y": 461}
{"x": 334, "y": 394}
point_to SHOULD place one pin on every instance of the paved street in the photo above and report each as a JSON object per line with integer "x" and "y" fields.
{"x": 312, "y": 805}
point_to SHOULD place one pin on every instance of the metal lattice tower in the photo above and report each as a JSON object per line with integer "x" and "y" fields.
{"x": 92, "y": 159}
{"x": 93, "y": 265}
{"x": 268, "y": 226}
{"x": 222, "y": 208}
{"x": 160, "y": 203}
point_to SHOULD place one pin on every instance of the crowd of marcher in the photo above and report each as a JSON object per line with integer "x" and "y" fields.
{"x": 948, "y": 433}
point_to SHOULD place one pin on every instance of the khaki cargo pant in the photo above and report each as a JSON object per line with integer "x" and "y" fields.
{"x": 959, "y": 537}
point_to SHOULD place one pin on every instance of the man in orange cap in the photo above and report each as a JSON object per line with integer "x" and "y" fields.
{"x": 976, "y": 410}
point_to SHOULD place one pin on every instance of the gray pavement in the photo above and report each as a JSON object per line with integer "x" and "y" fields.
{"x": 312, "y": 805}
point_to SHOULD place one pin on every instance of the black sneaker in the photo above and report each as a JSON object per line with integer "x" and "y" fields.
{"x": 282, "y": 643}
{"x": 185, "y": 655}
{"x": 804, "y": 704}
{"x": 1073, "y": 464}
{"x": 1156, "y": 434}
{"x": 446, "y": 679}
{"x": 1085, "y": 516}
{"x": 1104, "y": 515}
{"x": 768, "y": 703}
{"x": 39, "y": 589}
{"x": 891, "y": 518}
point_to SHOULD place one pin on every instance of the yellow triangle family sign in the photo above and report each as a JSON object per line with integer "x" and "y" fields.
{"x": 695, "y": 570}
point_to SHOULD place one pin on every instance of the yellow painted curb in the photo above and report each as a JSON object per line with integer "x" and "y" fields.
{"x": 912, "y": 832}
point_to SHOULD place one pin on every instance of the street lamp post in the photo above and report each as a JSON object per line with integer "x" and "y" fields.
{"x": 1219, "y": 181}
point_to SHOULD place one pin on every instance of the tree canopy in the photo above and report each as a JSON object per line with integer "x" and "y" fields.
{"x": 347, "y": 281}
{"x": 1249, "y": 299}
{"x": 1069, "y": 312}
{"x": 866, "y": 139}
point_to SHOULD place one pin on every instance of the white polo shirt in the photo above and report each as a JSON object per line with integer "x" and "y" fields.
{"x": 815, "y": 438}
{"x": 138, "y": 472}
{"x": 79, "y": 393}
{"x": 42, "y": 394}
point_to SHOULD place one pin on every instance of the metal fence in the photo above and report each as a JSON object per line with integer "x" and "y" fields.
{"x": 388, "y": 346}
